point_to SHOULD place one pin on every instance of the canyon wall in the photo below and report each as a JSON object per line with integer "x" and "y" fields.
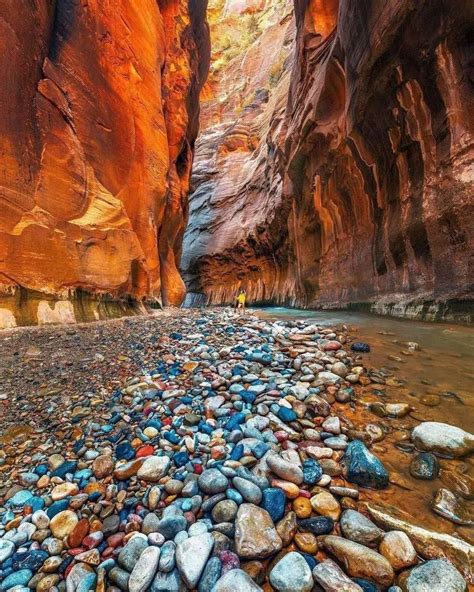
{"x": 339, "y": 168}
{"x": 98, "y": 116}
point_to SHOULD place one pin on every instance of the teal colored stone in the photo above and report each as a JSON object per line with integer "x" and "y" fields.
{"x": 87, "y": 583}
{"x": 20, "y": 498}
{"x": 18, "y": 578}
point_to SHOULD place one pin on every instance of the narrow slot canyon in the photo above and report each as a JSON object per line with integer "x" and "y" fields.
{"x": 334, "y": 163}
{"x": 236, "y": 296}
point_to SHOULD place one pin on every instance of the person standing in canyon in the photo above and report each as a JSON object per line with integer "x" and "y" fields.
{"x": 240, "y": 300}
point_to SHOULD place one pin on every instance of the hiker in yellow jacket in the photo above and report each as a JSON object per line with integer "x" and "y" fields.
{"x": 240, "y": 300}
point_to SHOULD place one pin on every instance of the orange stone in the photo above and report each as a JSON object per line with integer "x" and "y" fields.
{"x": 80, "y": 531}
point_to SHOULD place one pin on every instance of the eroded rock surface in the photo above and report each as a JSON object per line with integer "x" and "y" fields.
{"x": 99, "y": 115}
{"x": 337, "y": 165}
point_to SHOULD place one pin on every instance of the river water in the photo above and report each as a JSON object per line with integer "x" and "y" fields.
{"x": 437, "y": 380}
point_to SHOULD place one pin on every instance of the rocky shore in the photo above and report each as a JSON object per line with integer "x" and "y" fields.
{"x": 201, "y": 450}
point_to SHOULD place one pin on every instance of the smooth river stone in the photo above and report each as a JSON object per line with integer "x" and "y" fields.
{"x": 144, "y": 570}
{"x": 63, "y": 523}
{"x": 453, "y": 508}
{"x": 425, "y": 466}
{"x": 248, "y": 490}
{"x": 191, "y": 557}
{"x": 212, "y": 481}
{"x": 359, "y": 561}
{"x": 286, "y": 470}
{"x": 363, "y": 467}
{"x": 236, "y": 580}
{"x": 325, "y": 504}
{"x": 7, "y": 548}
{"x": 130, "y": 554}
{"x": 358, "y": 528}
{"x": 435, "y": 576}
{"x": 255, "y": 533}
{"x": 397, "y": 548}
{"x": 333, "y": 579}
{"x": 292, "y": 573}
{"x": 154, "y": 468}
{"x": 442, "y": 439}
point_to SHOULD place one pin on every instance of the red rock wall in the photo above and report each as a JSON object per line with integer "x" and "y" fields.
{"x": 360, "y": 187}
{"x": 98, "y": 117}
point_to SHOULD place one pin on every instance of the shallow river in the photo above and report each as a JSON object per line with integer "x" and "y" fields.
{"x": 437, "y": 380}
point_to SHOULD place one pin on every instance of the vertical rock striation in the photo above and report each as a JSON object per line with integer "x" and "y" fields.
{"x": 99, "y": 113}
{"x": 349, "y": 178}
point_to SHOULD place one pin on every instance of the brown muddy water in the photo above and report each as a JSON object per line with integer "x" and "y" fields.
{"x": 436, "y": 380}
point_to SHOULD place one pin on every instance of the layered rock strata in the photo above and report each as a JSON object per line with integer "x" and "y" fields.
{"x": 99, "y": 113}
{"x": 347, "y": 177}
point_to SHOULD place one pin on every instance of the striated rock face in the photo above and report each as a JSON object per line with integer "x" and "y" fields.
{"x": 345, "y": 175}
{"x": 99, "y": 113}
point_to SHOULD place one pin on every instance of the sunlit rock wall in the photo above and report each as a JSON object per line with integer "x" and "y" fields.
{"x": 98, "y": 117}
{"x": 351, "y": 181}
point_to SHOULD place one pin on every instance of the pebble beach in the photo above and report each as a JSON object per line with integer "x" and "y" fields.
{"x": 211, "y": 451}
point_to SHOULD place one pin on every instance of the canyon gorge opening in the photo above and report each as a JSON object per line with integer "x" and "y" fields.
{"x": 334, "y": 164}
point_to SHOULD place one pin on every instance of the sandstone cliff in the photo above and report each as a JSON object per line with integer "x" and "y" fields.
{"x": 98, "y": 117}
{"x": 347, "y": 176}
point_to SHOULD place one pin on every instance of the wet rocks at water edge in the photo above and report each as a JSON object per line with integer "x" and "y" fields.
{"x": 442, "y": 439}
{"x": 228, "y": 461}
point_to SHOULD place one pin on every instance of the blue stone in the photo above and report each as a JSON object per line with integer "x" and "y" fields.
{"x": 273, "y": 501}
{"x": 238, "y": 371}
{"x": 41, "y": 470}
{"x": 36, "y": 503}
{"x": 248, "y": 396}
{"x": 363, "y": 467}
{"x": 260, "y": 449}
{"x": 107, "y": 428}
{"x": 124, "y": 451}
{"x": 212, "y": 572}
{"x": 234, "y": 495}
{"x": 177, "y": 336}
{"x": 186, "y": 505}
{"x": 172, "y": 437}
{"x": 17, "y": 578}
{"x": 310, "y": 560}
{"x": 154, "y": 423}
{"x": 360, "y": 346}
{"x": 107, "y": 564}
{"x": 317, "y": 525}
{"x": 181, "y": 458}
{"x": 169, "y": 526}
{"x": 30, "y": 560}
{"x": 21, "y": 498}
{"x": 286, "y": 414}
{"x": 82, "y": 474}
{"x": 206, "y": 428}
{"x": 237, "y": 452}
{"x": 312, "y": 471}
{"x": 235, "y": 421}
{"x": 69, "y": 466}
{"x": 57, "y": 507}
{"x": 87, "y": 583}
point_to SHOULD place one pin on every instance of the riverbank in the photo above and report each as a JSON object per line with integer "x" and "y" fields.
{"x": 148, "y": 452}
